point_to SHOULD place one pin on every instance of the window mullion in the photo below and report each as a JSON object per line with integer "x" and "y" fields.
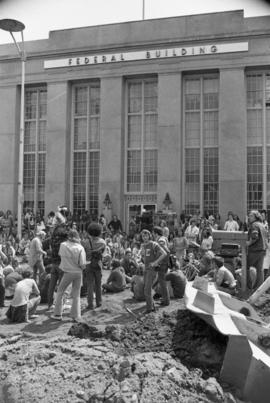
{"x": 142, "y": 140}
{"x": 71, "y": 190}
{"x": 201, "y": 149}
{"x": 87, "y": 149}
{"x": 264, "y": 162}
{"x": 36, "y": 155}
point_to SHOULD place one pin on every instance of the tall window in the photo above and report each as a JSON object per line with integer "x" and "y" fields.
{"x": 86, "y": 147}
{"x": 141, "y": 139}
{"x": 258, "y": 140}
{"x": 35, "y": 148}
{"x": 201, "y": 184}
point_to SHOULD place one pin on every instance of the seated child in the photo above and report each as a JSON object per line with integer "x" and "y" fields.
{"x": 117, "y": 279}
{"x": 191, "y": 267}
{"x": 223, "y": 277}
{"x": 128, "y": 263}
{"x": 137, "y": 283}
{"x": 206, "y": 263}
{"x": 177, "y": 281}
{"x": 24, "y": 244}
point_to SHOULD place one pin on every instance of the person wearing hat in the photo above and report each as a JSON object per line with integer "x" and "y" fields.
{"x": 36, "y": 254}
{"x": 73, "y": 261}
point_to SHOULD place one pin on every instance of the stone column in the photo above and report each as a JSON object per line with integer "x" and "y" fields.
{"x": 58, "y": 145}
{"x": 169, "y": 139}
{"x": 9, "y": 149}
{"x": 112, "y": 144}
{"x": 232, "y": 143}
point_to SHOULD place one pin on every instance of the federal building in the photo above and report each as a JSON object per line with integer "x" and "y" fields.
{"x": 140, "y": 116}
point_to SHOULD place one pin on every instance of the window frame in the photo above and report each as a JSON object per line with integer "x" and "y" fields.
{"x": 142, "y": 149}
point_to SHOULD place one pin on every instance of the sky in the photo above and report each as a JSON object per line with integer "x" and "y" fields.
{"x": 42, "y": 16}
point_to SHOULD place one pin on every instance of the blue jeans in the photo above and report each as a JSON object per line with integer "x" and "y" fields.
{"x": 163, "y": 287}
{"x": 56, "y": 275}
{"x": 93, "y": 280}
{"x": 38, "y": 267}
{"x": 76, "y": 280}
{"x": 2, "y": 291}
{"x": 255, "y": 259}
{"x": 149, "y": 279}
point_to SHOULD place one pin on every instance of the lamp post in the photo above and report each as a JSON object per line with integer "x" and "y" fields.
{"x": 16, "y": 26}
{"x": 143, "y": 9}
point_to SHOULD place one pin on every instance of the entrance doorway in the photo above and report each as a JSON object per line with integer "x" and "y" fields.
{"x": 142, "y": 215}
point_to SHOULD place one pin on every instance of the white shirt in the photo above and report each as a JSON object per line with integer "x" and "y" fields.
{"x": 73, "y": 257}
{"x": 192, "y": 232}
{"x": 23, "y": 290}
{"x": 231, "y": 225}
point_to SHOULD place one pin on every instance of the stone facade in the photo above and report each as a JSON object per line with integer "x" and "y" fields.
{"x": 171, "y": 48}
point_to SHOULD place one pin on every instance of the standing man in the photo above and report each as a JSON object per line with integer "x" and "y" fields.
{"x": 257, "y": 243}
{"x": 115, "y": 226}
{"x": 59, "y": 235}
{"x": 152, "y": 255}
{"x": 73, "y": 262}
{"x": 94, "y": 246}
{"x": 162, "y": 269}
{"x": 36, "y": 254}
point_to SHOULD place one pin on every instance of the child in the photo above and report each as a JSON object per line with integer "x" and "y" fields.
{"x": 137, "y": 284}
{"x": 117, "y": 280}
{"x": 191, "y": 268}
{"x": 223, "y": 277}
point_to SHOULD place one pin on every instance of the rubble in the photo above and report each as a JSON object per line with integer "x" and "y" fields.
{"x": 170, "y": 357}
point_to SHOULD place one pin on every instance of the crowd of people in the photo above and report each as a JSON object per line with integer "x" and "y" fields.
{"x": 61, "y": 256}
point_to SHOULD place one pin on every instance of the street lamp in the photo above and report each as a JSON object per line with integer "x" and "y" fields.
{"x": 16, "y": 26}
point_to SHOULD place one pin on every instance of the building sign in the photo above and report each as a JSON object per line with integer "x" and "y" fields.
{"x": 147, "y": 55}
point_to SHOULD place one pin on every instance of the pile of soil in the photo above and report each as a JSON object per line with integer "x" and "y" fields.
{"x": 136, "y": 362}
{"x": 179, "y": 333}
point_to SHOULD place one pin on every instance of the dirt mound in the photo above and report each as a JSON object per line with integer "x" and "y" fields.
{"x": 180, "y": 334}
{"x": 69, "y": 369}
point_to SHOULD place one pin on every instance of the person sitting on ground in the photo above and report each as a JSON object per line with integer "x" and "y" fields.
{"x": 128, "y": 263}
{"x": 207, "y": 240}
{"x": 23, "y": 244}
{"x": 11, "y": 280}
{"x": 3, "y": 257}
{"x": 191, "y": 267}
{"x": 177, "y": 281}
{"x": 136, "y": 252}
{"x": 117, "y": 279}
{"x": 9, "y": 251}
{"x": 137, "y": 283}
{"x": 23, "y": 307}
{"x": 223, "y": 277}
{"x": 206, "y": 263}
{"x": 107, "y": 255}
